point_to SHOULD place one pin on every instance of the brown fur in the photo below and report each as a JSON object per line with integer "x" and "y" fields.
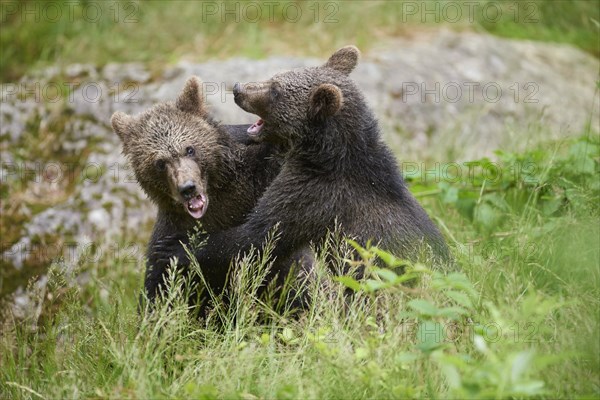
{"x": 231, "y": 175}
{"x": 337, "y": 171}
{"x": 344, "y": 60}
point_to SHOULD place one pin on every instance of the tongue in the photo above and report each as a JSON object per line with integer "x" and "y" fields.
{"x": 256, "y": 127}
{"x": 196, "y": 207}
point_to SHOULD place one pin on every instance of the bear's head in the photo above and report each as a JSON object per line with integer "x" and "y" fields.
{"x": 175, "y": 150}
{"x": 292, "y": 101}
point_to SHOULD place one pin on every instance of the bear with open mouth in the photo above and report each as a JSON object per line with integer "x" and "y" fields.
{"x": 337, "y": 171}
{"x": 196, "y": 171}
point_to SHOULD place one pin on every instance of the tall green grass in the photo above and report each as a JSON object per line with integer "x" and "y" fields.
{"x": 518, "y": 319}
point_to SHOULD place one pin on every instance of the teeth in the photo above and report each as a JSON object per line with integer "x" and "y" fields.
{"x": 196, "y": 203}
{"x": 193, "y": 207}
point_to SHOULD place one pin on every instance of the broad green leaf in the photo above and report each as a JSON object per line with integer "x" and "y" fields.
{"x": 405, "y": 278}
{"x": 452, "y": 375}
{"x": 583, "y": 149}
{"x": 373, "y": 286}
{"x": 386, "y": 274}
{"x": 265, "y": 339}
{"x": 423, "y": 307}
{"x": 486, "y": 215}
{"x": 389, "y": 259}
{"x": 466, "y": 203}
{"x": 372, "y": 322}
{"x": 497, "y": 201}
{"x": 287, "y": 336}
{"x": 364, "y": 253}
{"x": 584, "y": 165}
{"x": 430, "y": 336}
{"x": 551, "y": 204}
{"x": 450, "y": 195}
{"x": 459, "y": 297}
{"x": 349, "y": 282}
{"x": 404, "y": 358}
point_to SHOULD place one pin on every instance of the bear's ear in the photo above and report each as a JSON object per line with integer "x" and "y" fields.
{"x": 344, "y": 60}
{"x": 325, "y": 100}
{"x": 191, "y": 100}
{"x": 122, "y": 124}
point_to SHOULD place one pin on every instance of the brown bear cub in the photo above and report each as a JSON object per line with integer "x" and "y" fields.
{"x": 337, "y": 170}
{"x": 194, "y": 170}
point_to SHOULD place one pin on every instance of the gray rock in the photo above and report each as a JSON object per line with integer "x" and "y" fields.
{"x": 130, "y": 72}
{"x": 535, "y": 91}
{"x": 14, "y": 115}
{"x": 91, "y": 99}
{"x": 79, "y": 70}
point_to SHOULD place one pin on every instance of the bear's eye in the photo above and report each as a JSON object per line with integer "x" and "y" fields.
{"x": 160, "y": 165}
{"x": 190, "y": 151}
{"x": 275, "y": 90}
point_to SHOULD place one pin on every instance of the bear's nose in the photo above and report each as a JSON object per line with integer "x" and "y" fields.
{"x": 237, "y": 89}
{"x": 187, "y": 190}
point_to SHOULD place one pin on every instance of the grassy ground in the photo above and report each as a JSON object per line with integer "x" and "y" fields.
{"x": 520, "y": 318}
{"x": 160, "y": 32}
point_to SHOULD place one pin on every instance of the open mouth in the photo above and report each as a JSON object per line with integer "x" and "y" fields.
{"x": 196, "y": 206}
{"x": 256, "y": 127}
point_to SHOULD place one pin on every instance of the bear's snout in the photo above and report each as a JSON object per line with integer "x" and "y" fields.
{"x": 252, "y": 97}
{"x": 187, "y": 190}
{"x": 237, "y": 89}
{"x": 238, "y": 95}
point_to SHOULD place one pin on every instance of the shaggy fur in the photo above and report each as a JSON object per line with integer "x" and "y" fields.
{"x": 177, "y": 143}
{"x": 336, "y": 169}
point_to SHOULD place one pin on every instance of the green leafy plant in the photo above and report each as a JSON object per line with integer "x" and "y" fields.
{"x": 477, "y": 360}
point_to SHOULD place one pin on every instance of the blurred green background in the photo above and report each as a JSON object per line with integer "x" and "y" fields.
{"x": 36, "y": 34}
